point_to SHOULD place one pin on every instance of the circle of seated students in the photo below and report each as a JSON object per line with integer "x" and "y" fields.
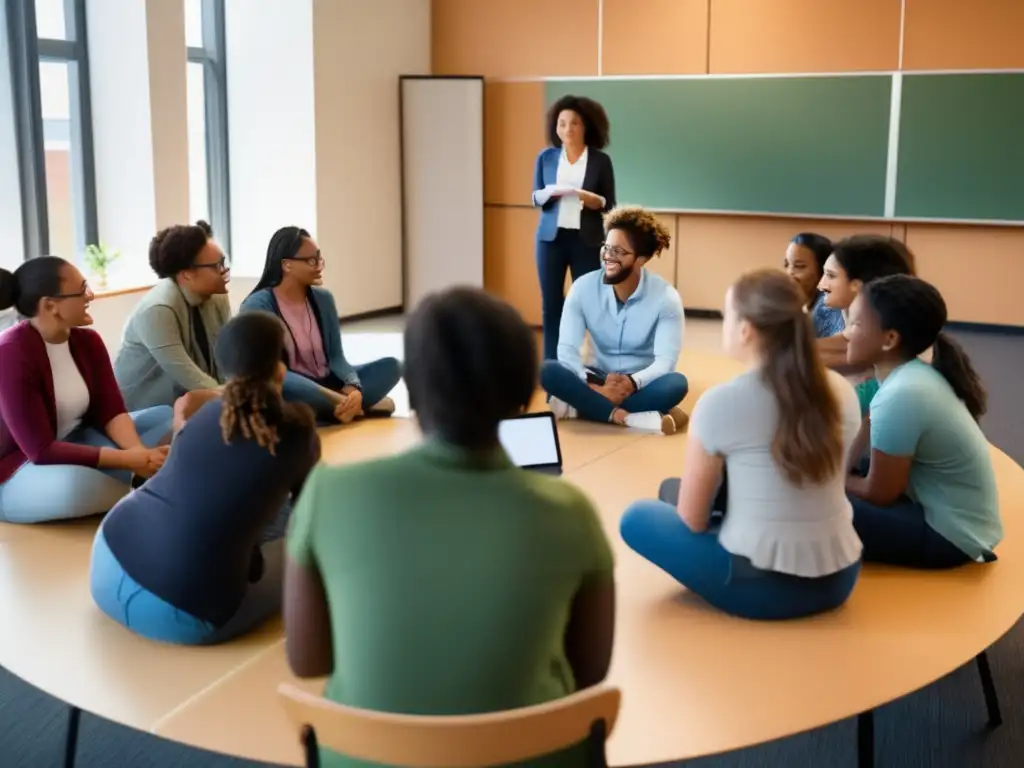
{"x": 789, "y": 479}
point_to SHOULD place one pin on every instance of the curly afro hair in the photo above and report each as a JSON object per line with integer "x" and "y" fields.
{"x": 175, "y": 248}
{"x": 648, "y": 235}
{"x": 596, "y": 130}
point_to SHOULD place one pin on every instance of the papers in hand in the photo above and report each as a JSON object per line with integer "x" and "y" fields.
{"x": 559, "y": 190}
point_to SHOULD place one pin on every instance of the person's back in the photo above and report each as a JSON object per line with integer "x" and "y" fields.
{"x": 774, "y": 523}
{"x": 188, "y": 535}
{"x": 951, "y": 474}
{"x": 445, "y": 580}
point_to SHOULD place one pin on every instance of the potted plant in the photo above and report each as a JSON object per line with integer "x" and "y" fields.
{"x": 98, "y": 259}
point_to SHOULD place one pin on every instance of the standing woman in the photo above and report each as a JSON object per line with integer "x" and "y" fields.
{"x": 68, "y": 448}
{"x": 805, "y": 264}
{"x": 574, "y": 185}
{"x": 318, "y": 373}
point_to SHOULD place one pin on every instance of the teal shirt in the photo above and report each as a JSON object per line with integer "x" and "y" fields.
{"x": 449, "y": 580}
{"x": 866, "y": 392}
{"x": 916, "y": 413}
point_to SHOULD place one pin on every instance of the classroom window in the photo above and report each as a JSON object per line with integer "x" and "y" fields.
{"x": 207, "y": 116}
{"x": 53, "y": 131}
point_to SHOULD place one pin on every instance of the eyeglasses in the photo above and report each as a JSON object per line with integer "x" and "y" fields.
{"x": 615, "y": 251}
{"x": 221, "y": 266}
{"x": 78, "y": 295}
{"x": 313, "y": 261}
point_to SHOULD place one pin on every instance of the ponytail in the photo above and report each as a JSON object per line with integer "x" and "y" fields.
{"x": 949, "y": 359}
{"x": 253, "y": 410}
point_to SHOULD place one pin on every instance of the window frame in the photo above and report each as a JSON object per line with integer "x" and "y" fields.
{"x": 28, "y": 50}
{"x": 213, "y": 57}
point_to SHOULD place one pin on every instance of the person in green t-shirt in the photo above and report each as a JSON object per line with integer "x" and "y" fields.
{"x": 929, "y": 498}
{"x": 445, "y": 580}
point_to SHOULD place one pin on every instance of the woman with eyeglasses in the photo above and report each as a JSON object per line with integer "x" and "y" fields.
{"x": 68, "y": 448}
{"x": 196, "y": 562}
{"x": 320, "y": 376}
{"x": 166, "y": 349}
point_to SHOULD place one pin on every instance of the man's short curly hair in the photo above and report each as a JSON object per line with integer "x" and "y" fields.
{"x": 175, "y": 248}
{"x": 596, "y": 130}
{"x": 648, "y": 236}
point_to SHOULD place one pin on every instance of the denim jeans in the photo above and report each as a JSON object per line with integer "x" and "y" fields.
{"x": 38, "y": 493}
{"x": 661, "y": 395}
{"x": 566, "y": 252}
{"x": 377, "y": 379}
{"x": 731, "y": 583}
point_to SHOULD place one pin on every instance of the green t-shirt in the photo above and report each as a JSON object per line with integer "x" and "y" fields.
{"x": 916, "y": 413}
{"x": 866, "y": 392}
{"x": 449, "y": 579}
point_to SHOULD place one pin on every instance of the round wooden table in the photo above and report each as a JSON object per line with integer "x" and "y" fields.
{"x": 695, "y": 682}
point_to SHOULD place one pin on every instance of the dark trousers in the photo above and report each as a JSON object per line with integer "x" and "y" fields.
{"x": 899, "y": 535}
{"x": 661, "y": 395}
{"x": 566, "y": 252}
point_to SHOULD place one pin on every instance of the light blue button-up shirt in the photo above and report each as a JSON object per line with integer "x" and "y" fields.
{"x": 642, "y": 337}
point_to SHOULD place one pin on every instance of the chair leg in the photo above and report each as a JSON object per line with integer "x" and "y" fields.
{"x": 995, "y": 717}
{"x": 866, "y": 739}
{"x": 71, "y": 743}
{"x": 310, "y": 747}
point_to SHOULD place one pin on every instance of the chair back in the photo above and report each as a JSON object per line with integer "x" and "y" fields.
{"x": 463, "y": 741}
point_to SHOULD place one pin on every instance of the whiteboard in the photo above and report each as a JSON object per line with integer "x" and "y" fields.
{"x": 442, "y": 146}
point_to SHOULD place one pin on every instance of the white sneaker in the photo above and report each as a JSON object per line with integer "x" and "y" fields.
{"x": 561, "y": 409}
{"x": 651, "y": 421}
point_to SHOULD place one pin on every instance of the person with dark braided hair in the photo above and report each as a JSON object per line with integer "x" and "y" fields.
{"x": 929, "y": 498}
{"x": 197, "y": 552}
{"x": 318, "y": 372}
{"x": 167, "y": 349}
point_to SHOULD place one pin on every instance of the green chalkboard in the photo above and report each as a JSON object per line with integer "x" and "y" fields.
{"x": 961, "y": 150}
{"x": 813, "y": 145}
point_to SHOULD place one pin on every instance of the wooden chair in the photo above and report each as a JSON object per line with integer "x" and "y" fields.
{"x": 466, "y": 741}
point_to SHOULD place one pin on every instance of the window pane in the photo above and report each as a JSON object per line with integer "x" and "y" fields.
{"x": 51, "y": 23}
{"x": 194, "y": 23}
{"x": 198, "y": 194}
{"x": 63, "y": 158}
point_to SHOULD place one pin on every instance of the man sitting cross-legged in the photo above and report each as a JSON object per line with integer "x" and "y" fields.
{"x": 635, "y": 322}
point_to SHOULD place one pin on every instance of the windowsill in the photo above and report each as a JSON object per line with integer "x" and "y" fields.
{"x": 110, "y": 293}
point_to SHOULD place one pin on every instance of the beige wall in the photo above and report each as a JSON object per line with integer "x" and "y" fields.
{"x": 516, "y": 45}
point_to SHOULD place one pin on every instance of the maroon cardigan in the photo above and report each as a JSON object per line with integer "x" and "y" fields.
{"x": 28, "y": 411}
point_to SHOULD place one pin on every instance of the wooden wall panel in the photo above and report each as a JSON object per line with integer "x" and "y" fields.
{"x": 804, "y": 35}
{"x": 654, "y": 37}
{"x": 665, "y": 264}
{"x": 979, "y": 270}
{"x": 956, "y": 34}
{"x": 715, "y": 250}
{"x": 510, "y": 270}
{"x": 525, "y": 38}
{"x": 513, "y": 135}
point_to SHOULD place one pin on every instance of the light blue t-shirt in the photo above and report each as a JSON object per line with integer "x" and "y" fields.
{"x": 916, "y": 413}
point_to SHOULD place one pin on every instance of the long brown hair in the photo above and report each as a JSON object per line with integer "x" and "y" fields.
{"x": 250, "y": 348}
{"x": 808, "y": 441}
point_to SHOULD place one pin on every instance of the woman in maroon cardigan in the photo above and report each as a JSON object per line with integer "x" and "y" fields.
{"x": 67, "y": 446}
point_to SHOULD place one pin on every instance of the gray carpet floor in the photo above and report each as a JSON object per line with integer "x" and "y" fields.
{"x": 941, "y": 726}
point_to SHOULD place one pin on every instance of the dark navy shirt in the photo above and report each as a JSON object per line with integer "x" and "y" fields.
{"x": 191, "y": 534}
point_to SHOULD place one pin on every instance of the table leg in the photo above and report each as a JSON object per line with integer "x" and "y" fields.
{"x": 71, "y": 744}
{"x": 995, "y": 717}
{"x": 866, "y": 739}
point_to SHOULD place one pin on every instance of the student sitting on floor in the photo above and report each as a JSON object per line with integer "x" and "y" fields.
{"x": 169, "y": 339}
{"x": 777, "y": 438}
{"x": 805, "y": 263}
{"x": 635, "y": 322}
{"x": 445, "y": 580}
{"x": 195, "y": 556}
{"x": 67, "y": 446}
{"x": 929, "y": 499}
{"x": 322, "y": 378}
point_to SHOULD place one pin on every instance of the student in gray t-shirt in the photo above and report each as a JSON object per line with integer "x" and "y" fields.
{"x": 778, "y": 437}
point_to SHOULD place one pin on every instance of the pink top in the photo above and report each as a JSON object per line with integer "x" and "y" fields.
{"x": 304, "y": 344}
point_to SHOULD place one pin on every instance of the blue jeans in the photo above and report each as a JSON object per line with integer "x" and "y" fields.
{"x": 377, "y": 379}
{"x": 899, "y": 535}
{"x": 39, "y": 493}
{"x": 698, "y": 561}
{"x": 128, "y": 603}
{"x": 566, "y": 252}
{"x": 661, "y": 395}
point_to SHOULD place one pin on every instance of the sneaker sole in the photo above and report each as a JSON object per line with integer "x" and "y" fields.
{"x": 668, "y": 425}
